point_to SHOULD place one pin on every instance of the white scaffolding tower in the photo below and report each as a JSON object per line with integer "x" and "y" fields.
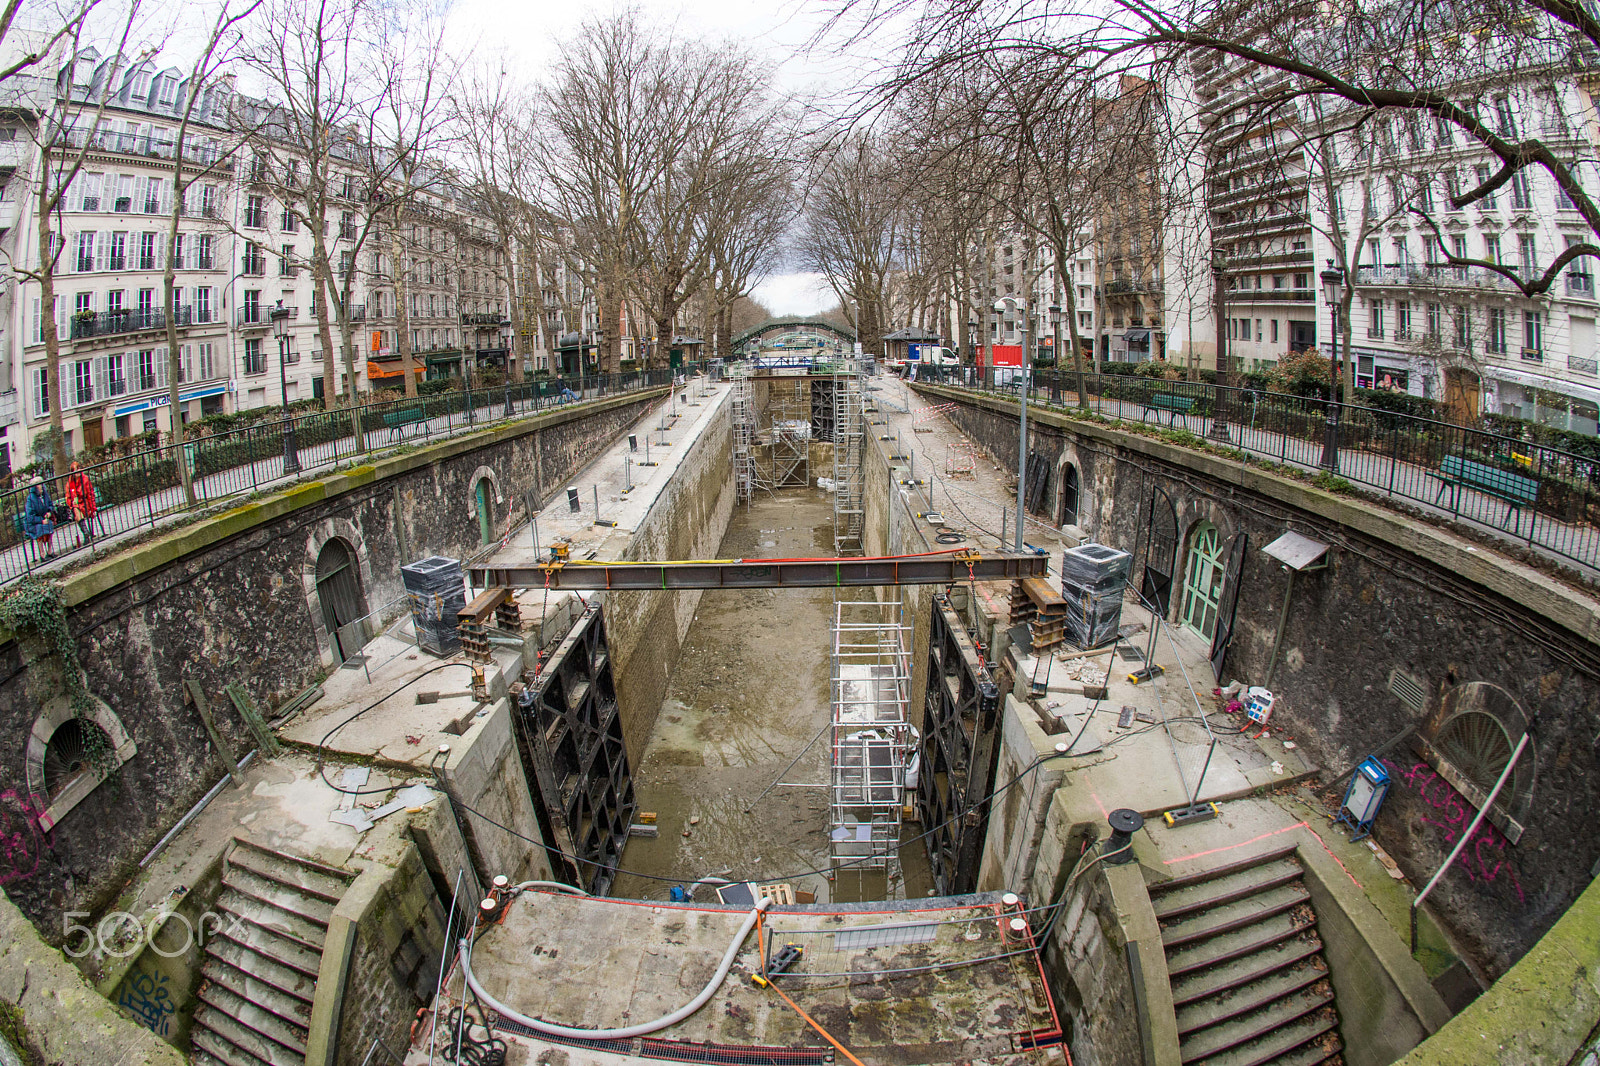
{"x": 791, "y": 437}
{"x": 872, "y": 734}
{"x": 849, "y": 453}
{"x": 746, "y": 478}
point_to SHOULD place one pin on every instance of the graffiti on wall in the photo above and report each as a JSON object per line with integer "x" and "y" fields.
{"x": 1487, "y": 858}
{"x": 147, "y": 997}
{"x": 21, "y": 842}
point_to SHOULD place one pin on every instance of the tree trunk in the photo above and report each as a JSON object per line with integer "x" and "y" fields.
{"x": 610, "y": 339}
{"x": 174, "y": 357}
{"x": 1072, "y": 330}
{"x": 47, "y": 316}
{"x": 402, "y": 315}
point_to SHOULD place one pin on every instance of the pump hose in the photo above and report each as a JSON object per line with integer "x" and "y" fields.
{"x": 627, "y": 1032}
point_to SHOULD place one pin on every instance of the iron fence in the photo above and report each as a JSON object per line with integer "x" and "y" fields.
{"x": 141, "y": 489}
{"x": 1532, "y": 493}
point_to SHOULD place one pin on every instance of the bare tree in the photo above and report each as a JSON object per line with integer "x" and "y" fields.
{"x": 199, "y": 103}
{"x": 852, "y": 232}
{"x": 656, "y": 148}
{"x": 65, "y": 116}
{"x": 345, "y": 134}
{"x": 498, "y": 135}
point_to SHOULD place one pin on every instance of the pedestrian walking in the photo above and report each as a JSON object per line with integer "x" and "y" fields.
{"x": 81, "y": 501}
{"x": 39, "y": 516}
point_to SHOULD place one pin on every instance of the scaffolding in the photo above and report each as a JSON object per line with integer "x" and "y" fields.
{"x": 790, "y": 434}
{"x": 747, "y": 477}
{"x": 849, "y": 453}
{"x": 872, "y": 734}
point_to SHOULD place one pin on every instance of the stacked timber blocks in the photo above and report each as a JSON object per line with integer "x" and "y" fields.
{"x": 1033, "y": 601}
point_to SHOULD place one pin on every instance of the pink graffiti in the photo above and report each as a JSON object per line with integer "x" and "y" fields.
{"x": 21, "y": 843}
{"x": 1485, "y": 859}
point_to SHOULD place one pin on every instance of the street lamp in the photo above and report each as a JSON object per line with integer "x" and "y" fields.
{"x": 1017, "y": 307}
{"x": 505, "y": 342}
{"x": 1332, "y": 295}
{"x": 280, "y": 329}
{"x": 1219, "y": 413}
{"x": 1055, "y": 353}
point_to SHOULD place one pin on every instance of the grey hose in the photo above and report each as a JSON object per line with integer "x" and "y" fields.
{"x": 627, "y": 1032}
{"x": 560, "y": 886}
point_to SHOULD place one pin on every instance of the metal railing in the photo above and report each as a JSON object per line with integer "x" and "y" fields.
{"x": 1520, "y": 490}
{"x": 143, "y": 489}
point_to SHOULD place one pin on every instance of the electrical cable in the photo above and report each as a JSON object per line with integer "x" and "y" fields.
{"x": 322, "y": 744}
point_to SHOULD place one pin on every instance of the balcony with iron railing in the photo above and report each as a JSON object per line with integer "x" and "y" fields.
{"x": 87, "y": 324}
{"x": 476, "y": 318}
{"x": 1583, "y": 365}
{"x": 142, "y": 145}
{"x": 254, "y": 266}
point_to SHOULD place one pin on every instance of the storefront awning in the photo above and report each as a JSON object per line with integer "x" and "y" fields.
{"x": 1137, "y": 336}
{"x": 1539, "y": 381}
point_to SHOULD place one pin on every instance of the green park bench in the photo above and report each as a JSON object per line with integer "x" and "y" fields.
{"x": 397, "y": 421}
{"x": 1165, "y": 401}
{"x": 1456, "y": 471}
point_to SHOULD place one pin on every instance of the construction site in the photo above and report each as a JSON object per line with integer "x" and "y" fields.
{"x": 784, "y": 716}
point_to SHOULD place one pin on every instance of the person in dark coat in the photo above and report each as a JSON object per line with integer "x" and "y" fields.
{"x": 39, "y": 516}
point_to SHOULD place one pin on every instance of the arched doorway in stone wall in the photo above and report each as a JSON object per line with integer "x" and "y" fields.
{"x": 341, "y": 599}
{"x": 1069, "y": 496}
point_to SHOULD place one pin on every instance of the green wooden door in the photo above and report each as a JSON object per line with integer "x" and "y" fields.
{"x": 485, "y": 519}
{"x": 1202, "y": 586}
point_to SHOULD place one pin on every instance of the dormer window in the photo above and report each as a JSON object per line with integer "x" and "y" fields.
{"x": 169, "y": 91}
{"x": 141, "y": 86}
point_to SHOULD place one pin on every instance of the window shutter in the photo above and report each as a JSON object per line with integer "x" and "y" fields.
{"x": 102, "y": 248}
{"x": 40, "y": 407}
{"x": 61, "y": 317}
{"x": 101, "y": 388}
{"x": 163, "y": 358}
{"x": 188, "y": 362}
{"x": 38, "y": 322}
{"x": 66, "y": 393}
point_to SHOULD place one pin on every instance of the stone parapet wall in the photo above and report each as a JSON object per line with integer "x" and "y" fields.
{"x": 1473, "y": 629}
{"x": 232, "y": 599}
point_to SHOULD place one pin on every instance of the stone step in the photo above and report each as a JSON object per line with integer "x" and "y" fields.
{"x": 1257, "y": 994}
{"x": 1274, "y": 1026}
{"x": 1237, "y": 885}
{"x": 1229, "y": 946}
{"x": 1200, "y": 984}
{"x": 279, "y": 949}
{"x": 255, "y": 1017}
{"x": 285, "y": 898}
{"x": 1310, "y": 1040}
{"x": 292, "y": 924}
{"x": 315, "y": 879}
{"x": 1239, "y": 914}
{"x": 246, "y": 985}
{"x": 258, "y": 967}
{"x": 1163, "y": 888}
{"x": 200, "y": 1057}
{"x": 217, "y": 1034}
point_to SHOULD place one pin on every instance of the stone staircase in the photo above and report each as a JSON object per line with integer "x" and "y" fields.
{"x": 260, "y": 972}
{"x": 1249, "y": 981}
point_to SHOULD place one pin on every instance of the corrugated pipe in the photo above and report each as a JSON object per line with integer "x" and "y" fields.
{"x": 627, "y": 1032}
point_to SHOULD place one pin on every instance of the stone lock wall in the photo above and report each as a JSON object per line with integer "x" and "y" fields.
{"x": 1398, "y": 594}
{"x": 232, "y": 599}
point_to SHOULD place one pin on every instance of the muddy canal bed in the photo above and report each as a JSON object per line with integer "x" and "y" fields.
{"x": 750, "y": 692}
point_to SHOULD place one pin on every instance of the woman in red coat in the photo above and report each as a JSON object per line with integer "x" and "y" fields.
{"x": 81, "y": 501}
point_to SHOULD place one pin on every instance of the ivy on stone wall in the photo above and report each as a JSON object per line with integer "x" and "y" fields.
{"x": 34, "y": 608}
